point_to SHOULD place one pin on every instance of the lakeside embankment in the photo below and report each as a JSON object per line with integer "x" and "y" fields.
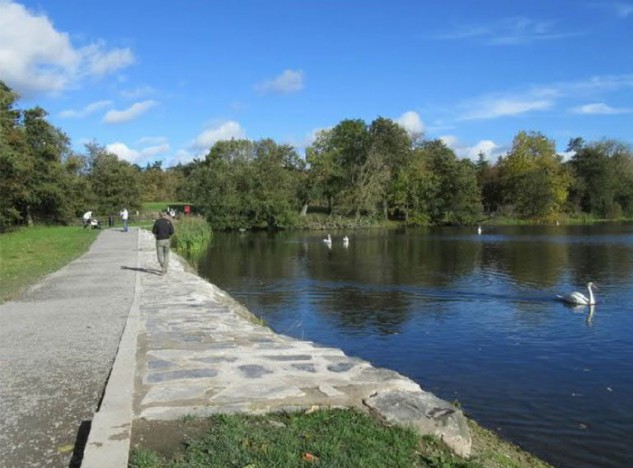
{"x": 198, "y": 353}
{"x": 191, "y": 350}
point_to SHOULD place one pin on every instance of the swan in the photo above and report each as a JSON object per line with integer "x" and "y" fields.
{"x": 579, "y": 298}
{"x": 328, "y": 240}
{"x": 479, "y": 230}
{"x": 345, "y": 241}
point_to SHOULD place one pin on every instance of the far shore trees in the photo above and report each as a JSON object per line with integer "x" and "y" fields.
{"x": 355, "y": 171}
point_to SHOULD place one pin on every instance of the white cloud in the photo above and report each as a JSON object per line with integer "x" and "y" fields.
{"x": 100, "y": 62}
{"x": 132, "y": 112}
{"x": 123, "y": 151}
{"x": 300, "y": 144}
{"x": 37, "y": 58}
{"x": 290, "y": 81}
{"x": 504, "y": 107}
{"x": 509, "y": 31}
{"x": 182, "y": 157}
{"x": 412, "y": 123}
{"x": 544, "y": 97}
{"x": 489, "y": 148}
{"x": 86, "y": 111}
{"x": 620, "y": 9}
{"x": 137, "y": 93}
{"x": 132, "y": 155}
{"x": 223, "y": 131}
{"x": 156, "y": 149}
{"x": 599, "y": 108}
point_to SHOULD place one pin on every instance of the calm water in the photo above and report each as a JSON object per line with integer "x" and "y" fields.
{"x": 470, "y": 318}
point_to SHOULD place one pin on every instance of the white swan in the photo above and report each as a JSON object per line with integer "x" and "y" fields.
{"x": 345, "y": 241}
{"x": 579, "y": 298}
{"x": 328, "y": 240}
{"x": 479, "y": 230}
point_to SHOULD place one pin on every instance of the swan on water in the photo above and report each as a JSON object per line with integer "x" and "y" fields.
{"x": 579, "y": 298}
{"x": 345, "y": 241}
{"x": 328, "y": 240}
{"x": 479, "y": 230}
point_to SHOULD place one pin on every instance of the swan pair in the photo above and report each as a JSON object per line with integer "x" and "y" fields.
{"x": 579, "y": 298}
{"x": 328, "y": 240}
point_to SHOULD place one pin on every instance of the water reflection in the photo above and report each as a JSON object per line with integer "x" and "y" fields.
{"x": 468, "y": 316}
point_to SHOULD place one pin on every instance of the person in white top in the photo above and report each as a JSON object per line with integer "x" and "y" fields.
{"x": 87, "y": 217}
{"x": 124, "y": 216}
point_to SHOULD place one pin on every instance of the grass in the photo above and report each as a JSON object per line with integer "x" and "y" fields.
{"x": 192, "y": 236}
{"x": 31, "y": 253}
{"x": 327, "y": 438}
{"x": 324, "y": 438}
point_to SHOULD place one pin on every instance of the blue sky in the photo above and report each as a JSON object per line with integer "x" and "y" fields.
{"x": 163, "y": 80}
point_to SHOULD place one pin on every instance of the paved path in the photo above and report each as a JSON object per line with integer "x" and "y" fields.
{"x": 189, "y": 348}
{"x": 57, "y": 345}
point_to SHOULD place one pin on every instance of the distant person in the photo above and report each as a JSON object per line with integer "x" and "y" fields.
{"x": 163, "y": 229}
{"x": 124, "y": 216}
{"x": 87, "y": 217}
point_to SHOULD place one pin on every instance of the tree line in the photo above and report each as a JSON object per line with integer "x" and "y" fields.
{"x": 42, "y": 180}
{"x": 354, "y": 171}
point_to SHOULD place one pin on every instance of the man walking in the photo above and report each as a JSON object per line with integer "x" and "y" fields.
{"x": 163, "y": 230}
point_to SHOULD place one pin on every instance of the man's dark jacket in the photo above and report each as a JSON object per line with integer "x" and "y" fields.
{"x": 162, "y": 229}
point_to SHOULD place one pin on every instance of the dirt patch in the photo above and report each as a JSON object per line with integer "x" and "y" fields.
{"x": 167, "y": 438}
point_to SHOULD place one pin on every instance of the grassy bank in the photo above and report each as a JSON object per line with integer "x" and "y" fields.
{"x": 192, "y": 236}
{"x": 327, "y": 438}
{"x": 29, "y": 254}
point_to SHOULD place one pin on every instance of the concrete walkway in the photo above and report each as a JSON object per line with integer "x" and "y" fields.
{"x": 190, "y": 349}
{"x": 57, "y": 346}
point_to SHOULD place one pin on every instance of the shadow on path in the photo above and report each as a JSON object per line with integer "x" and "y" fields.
{"x": 152, "y": 271}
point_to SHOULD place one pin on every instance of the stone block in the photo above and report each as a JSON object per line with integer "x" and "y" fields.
{"x": 425, "y": 413}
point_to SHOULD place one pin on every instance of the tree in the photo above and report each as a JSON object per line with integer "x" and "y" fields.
{"x": 488, "y": 181}
{"x": 14, "y": 169}
{"x": 533, "y": 179}
{"x": 37, "y": 181}
{"x": 115, "y": 184}
{"x": 604, "y": 178}
{"x": 454, "y": 196}
{"x": 393, "y": 147}
{"x": 242, "y": 183}
{"x": 325, "y": 179}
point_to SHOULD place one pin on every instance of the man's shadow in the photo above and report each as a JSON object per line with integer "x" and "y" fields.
{"x": 151, "y": 271}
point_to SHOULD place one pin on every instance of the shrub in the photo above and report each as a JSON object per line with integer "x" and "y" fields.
{"x": 192, "y": 237}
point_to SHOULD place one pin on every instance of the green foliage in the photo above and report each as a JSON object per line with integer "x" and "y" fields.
{"x": 245, "y": 184}
{"x": 38, "y": 178}
{"x": 452, "y": 194}
{"x": 532, "y": 177}
{"x": 158, "y": 184}
{"x": 192, "y": 236}
{"x": 604, "y": 178}
{"x": 115, "y": 183}
{"x": 359, "y": 171}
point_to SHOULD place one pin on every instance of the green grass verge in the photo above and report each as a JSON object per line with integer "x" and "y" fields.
{"x": 326, "y": 438}
{"x": 29, "y": 254}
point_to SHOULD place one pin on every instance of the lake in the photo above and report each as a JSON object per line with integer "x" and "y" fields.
{"x": 472, "y": 318}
